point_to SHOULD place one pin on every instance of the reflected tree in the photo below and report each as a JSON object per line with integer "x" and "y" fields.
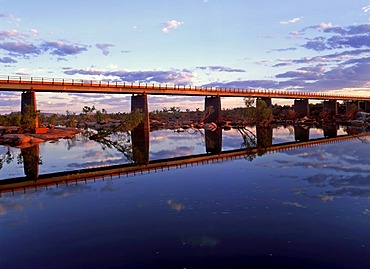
{"x": 256, "y": 144}
{"x": 249, "y": 142}
{"x": 117, "y": 136}
{"x": 6, "y": 157}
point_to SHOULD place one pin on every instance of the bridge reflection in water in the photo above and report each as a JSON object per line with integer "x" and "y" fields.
{"x": 141, "y": 162}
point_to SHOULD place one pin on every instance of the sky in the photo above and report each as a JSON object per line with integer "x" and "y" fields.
{"x": 306, "y": 45}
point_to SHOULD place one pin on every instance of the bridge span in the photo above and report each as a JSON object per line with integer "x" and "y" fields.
{"x": 12, "y": 83}
{"x": 139, "y": 92}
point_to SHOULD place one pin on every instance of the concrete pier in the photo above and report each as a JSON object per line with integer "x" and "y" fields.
{"x": 267, "y": 100}
{"x": 301, "y": 108}
{"x": 140, "y": 134}
{"x": 28, "y": 106}
{"x": 367, "y": 106}
{"x": 330, "y": 130}
{"x": 331, "y": 106}
{"x": 215, "y": 103}
{"x": 261, "y": 108}
{"x": 140, "y": 102}
{"x": 213, "y": 141}
{"x": 31, "y": 160}
{"x": 264, "y": 138}
{"x": 301, "y": 133}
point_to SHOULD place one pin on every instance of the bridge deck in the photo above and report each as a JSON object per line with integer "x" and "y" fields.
{"x": 94, "y": 86}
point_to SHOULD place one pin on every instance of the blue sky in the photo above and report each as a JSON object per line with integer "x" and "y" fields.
{"x": 289, "y": 45}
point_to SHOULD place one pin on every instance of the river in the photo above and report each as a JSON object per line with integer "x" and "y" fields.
{"x": 304, "y": 207}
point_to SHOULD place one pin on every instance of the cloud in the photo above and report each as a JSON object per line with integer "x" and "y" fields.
{"x": 217, "y": 68}
{"x": 328, "y": 58}
{"x": 245, "y": 84}
{"x": 178, "y": 77}
{"x": 301, "y": 75}
{"x": 172, "y": 24}
{"x": 8, "y": 34}
{"x": 7, "y": 60}
{"x": 366, "y": 9}
{"x": 336, "y": 71}
{"x": 294, "y": 20}
{"x": 11, "y": 18}
{"x": 178, "y": 151}
{"x": 20, "y": 48}
{"x": 354, "y": 36}
{"x": 34, "y": 32}
{"x": 61, "y": 48}
{"x": 104, "y": 48}
{"x": 317, "y": 44}
{"x": 282, "y": 50}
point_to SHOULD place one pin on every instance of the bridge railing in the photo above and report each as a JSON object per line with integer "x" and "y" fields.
{"x": 141, "y": 85}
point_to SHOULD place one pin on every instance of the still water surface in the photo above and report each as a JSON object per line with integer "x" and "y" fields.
{"x": 302, "y": 208}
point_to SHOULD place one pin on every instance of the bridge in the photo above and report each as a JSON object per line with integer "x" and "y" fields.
{"x": 84, "y": 175}
{"x": 139, "y": 91}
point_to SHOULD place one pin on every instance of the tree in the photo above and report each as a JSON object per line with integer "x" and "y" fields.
{"x": 250, "y": 110}
{"x": 28, "y": 119}
{"x": 71, "y": 119}
{"x": 101, "y": 116}
{"x": 351, "y": 111}
{"x": 88, "y": 111}
{"x": 51, "y": 120}
{"x": 249, "y": 101}
{"x": 174, "y": 109}
{"x": 263, "y": 112}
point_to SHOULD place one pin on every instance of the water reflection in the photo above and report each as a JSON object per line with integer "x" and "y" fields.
{"x": 140, "y": 145}
{"x": 301, "y": 133}
{"x": 213, "y": 140}
{"x": 330, "y": 130}
{"x": 31, "y": 161}
{"x": 302, "y": 208}
{"x": 256, "y": 141}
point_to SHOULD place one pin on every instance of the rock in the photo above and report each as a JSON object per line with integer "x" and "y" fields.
{"x": 22, "y": 139}
{"x": 210, "y": 126}
{"x": 35, "y": 140}
{"x": 16, "y": 139}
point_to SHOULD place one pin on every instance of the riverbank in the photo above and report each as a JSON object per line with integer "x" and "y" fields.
{"x": 14, "y": 139}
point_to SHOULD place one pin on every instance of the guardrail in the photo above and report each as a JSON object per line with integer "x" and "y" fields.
{"x": 143, "y": 86}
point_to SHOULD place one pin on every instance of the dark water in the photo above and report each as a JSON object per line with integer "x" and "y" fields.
{"x": 302, "y": 208}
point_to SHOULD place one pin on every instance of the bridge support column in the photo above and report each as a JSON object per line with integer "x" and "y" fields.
{"x": 264, "y": 138}
{"x": 267, "y": 100}
{"x": 330, "y": 130}
{"x": 140, "y": 134}
{"x": 367, "y": 106}
{"x": 215, "y": 103}
{"x": 31, "y": 160}
{"x": 352, "y": 108}
{"x": 264, "y": 109}
{"x": 301, "y": 133}
{"x": 350, "y": 104}
{"x": 214, "y": 141}
{"x": 331, "y": 106}
{"x": 28, "y": 106}
{"x": 301, "y": 108}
